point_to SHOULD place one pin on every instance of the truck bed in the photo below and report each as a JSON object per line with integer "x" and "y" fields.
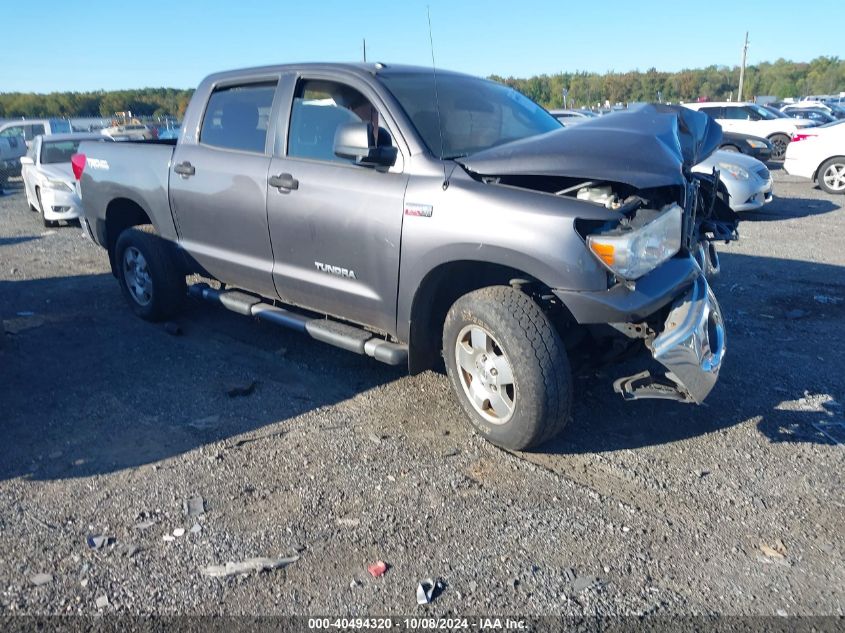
{"x": 127, "y": 172}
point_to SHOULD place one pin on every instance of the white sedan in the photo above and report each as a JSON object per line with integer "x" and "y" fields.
{"x": 48, "y": 178}
{"x": 754, "y": 120}
{"x": 819, "y": 154}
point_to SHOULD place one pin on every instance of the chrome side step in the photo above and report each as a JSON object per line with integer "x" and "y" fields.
{"x": 334, "y": 333}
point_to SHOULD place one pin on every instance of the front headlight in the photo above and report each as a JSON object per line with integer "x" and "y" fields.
{"x": 632, "y": 253}
{"x": 739, "y": 173}
{"x": 756, "y": 144}
{"x": 59, "y": 185}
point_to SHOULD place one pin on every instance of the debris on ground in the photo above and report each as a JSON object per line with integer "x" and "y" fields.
{"x": 129, "y": 549}
{"x": 240, "y": 390}
{"x": 827, "y": 299}
{"x": 98, "y": 541}
{"x": 375, "y": 439}
{"x": 795, "y": 314}
{"x": 348, "y": 522}
{"x": 24, "y": 321}
{"x": 173, "y": 328}
{"x": 207, "y": 422}
{"x": 169, "y": 538}
{"x": 194, "y": 506}
{"x": 777, "y": 550}
{"x": 428, "y": 590}
{"x": 41, "y": 579}
{"x": 834, "y": 431}
{"x": 196, "y": 528}
{"x": 244, "y": 567}
{"x": 256, "y": 438}
{"x": 582, "y": 583}
{"x": 179, "y": 532}
{"x": 102, "y": 602}
{"x": 377, "y": 569}
{"x": 144, "y": 525}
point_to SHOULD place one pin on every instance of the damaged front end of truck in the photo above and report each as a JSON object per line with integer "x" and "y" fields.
{"x": 657, "y": 243}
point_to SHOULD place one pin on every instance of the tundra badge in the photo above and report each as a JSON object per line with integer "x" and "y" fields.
{"x": 335, "y": 270}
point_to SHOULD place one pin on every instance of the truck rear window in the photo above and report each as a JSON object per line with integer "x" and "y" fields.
{"x": 237, "y": 117}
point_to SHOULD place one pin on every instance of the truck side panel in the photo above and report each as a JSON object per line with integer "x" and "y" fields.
{"x": 126, "y": 171}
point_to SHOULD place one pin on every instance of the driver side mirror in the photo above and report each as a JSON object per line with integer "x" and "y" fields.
{"x": 26, "y": 160}
{"x": 356, "y": 141}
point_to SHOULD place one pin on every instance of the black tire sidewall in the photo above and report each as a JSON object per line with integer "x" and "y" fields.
{"x": 168, "y": 282}
{"x": 539, "y": 412}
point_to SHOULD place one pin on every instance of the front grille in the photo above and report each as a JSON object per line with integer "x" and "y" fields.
{"x": 763, "y": 172}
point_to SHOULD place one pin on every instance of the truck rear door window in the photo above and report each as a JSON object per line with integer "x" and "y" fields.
{"x": 237, "y": 117}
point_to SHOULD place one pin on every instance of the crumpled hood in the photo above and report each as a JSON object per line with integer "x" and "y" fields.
{"x": 649, "y": 146}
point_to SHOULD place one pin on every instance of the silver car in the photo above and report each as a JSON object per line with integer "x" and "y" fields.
{"x": 48, "y": 177}
{"x": 747, "y": 180}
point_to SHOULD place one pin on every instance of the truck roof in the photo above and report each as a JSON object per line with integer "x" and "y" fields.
{"x": 363, "y": 69}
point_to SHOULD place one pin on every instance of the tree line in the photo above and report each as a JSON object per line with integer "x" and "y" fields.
{"x": 823, "y": 75}
{"x": 142, "y": 102}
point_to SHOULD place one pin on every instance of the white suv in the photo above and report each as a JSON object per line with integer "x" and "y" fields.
{"x": 755, "y": 120}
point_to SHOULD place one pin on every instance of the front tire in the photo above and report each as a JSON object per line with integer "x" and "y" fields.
{"x": 508, "y": 367}
{"x": 831, "y": 175}
{"x": 150, "y": 278}
{"x": 779, "y": 143}
{"x": 47, "y": 223}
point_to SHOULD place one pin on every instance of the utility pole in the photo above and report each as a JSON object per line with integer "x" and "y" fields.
{"x": 365, "y": 51}
{"x": 742, "y": 69}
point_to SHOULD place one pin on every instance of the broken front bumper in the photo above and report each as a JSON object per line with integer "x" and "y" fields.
{"x": 691, "y": 346}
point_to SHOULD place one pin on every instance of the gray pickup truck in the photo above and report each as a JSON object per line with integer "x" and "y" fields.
{"x": 406, "y": 214}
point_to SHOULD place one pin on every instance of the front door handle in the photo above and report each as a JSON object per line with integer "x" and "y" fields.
{"x": 185, "y": 169}
{"x": 284, "y": 181}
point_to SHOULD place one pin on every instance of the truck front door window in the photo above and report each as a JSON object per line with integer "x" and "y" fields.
{"x": 237, "y": 117}
{"x": 321, "y": 107}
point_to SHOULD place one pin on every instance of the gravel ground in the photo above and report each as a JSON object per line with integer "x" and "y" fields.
{"x": 111, "y": 423}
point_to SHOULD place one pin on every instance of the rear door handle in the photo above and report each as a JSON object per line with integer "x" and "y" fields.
{"x": 185, "y": 169}
{"x": 283, "y": 181}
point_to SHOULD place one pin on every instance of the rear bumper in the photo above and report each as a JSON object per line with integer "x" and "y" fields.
{"x": 691, "y": 347}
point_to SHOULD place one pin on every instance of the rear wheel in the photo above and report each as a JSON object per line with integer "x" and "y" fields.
{"x": 831, "y": 175}
{"x": 150, "y": 277}
{"x": 507, "y": 366}
{"x": 779, "y": 143}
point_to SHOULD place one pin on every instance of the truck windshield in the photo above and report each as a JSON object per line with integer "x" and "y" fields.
{"x": 475, "y": 114}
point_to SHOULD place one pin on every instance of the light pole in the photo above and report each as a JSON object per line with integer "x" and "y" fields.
{"x": 742, "y": 69}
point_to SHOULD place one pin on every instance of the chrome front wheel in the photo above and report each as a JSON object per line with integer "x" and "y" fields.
{"x": 486, "y": 374}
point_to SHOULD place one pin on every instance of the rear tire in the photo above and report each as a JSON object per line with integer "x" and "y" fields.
{"x": 508, "y": 367}
{"x": 831, "y": 175}
{"x": 779, "y": 143}
{"x": 150, "y": 277}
